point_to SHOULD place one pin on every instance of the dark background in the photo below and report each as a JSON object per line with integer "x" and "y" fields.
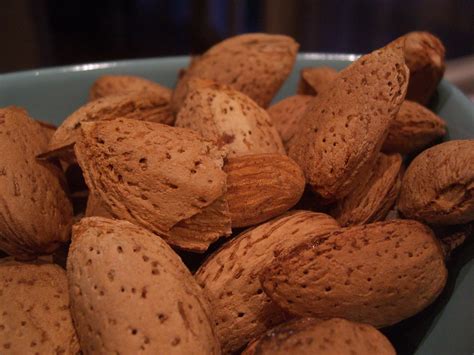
{"x": 39, "y": 33}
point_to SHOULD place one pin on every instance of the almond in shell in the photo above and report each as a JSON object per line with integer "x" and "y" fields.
{"x": 166, "y": 179}
{"x": 161, "y": 311}
{"x": 316, "y": 80}
{"x": 255, "y": 64}
{"x": 230, "y": 276}
{"x": 379, "y": 273}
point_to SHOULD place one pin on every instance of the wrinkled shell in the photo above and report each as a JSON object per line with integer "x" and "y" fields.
{"x": 425, "y": 57}
{"x": 35, "y": 213}
{"x": 286, "y": 115}
{"x": 163, "y": 310}
{"x": 230, "y": 276}
{"x": 230, "y": 119}
{"x": 139, "y": 106}
{"x": 413, "y": 129}
{"x": 334, "y": 336}
{"x": 316, "y": 80}
{"x": 34, "y": 310}
{"x": 109, "y": 85}
{"x": 163, "y": 178}
{"x": 343, "y": 129}
{"x": 379, "y": 274}
{"x": 255, "y": 64}
{"x": 438, "y": 186}
{"x": 261, "y": 186}
{"x": 373, "y": 198}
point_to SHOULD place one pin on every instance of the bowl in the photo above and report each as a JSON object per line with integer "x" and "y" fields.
{"x": 445, "y": 327}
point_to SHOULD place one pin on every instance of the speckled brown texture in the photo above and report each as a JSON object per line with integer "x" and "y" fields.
{"x": 315, "y": 80}
{"x": 379, "y": 273}
{"x": 109, "y": 85}
{"x": 413, "y": 129}
{"x": 261, "y": 186}
{"x": 35, "y": 213}
{"x": 230, "y": 276}
{"x": 344, "y": 128}
{"x": 438, "y": 186}
{"x": 374, "y": 196}
{"x": 309, "y": 336}
{"x": 34, "y": 310}
{"x": 255, "y": 64}
{"x": 286, "y": 115}
{"x": 139, "y": 106}
{"x": 229, "y": 118}
{"x": 425, "y": 57}
{"x": 163, "y": 178}
{"x": 130, "y": 293}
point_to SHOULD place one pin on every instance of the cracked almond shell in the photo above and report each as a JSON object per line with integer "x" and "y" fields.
{"x": 315, "y": 80}
{"x": 241, "y": 309}
{"x": 379, "y": 273}
{"x": 166, "y": 179}
{"x": 438, "y": 186}
{"x": 35, "y": 213}
{"x": 163, "y": 310}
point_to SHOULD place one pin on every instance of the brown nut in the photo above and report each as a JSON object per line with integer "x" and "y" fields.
{"x": 438, "y": 186}
{"x": 261, "y": 186}
{"x": 316, "y": 80}
{"x": 161, "y": 311}
{"x": 413, "y": 129}
{"x": 242, "y": 311}
{"x": 255, "y": 64}
{"x": 379, "y": 273}
{"x": 316, "y": 336}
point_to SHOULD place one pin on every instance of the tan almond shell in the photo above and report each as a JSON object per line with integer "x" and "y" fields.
{"x": 343, "y": 129}
{"x": 379, "y": 273}
{"x": 373, "y": 198}
{"x": 139, "y": 106}
{"x": 157, "y": 176}
{"x": 96, "y": 207}
{"x": 230, "y": 276}
{"x": 315, "y": 80}
{"x": 35, "y": 213}
{"x": 261, "y": 186}
{"x": 316, "y": 336}
{"x": 286, "y": 115}
{"x": 109, "y": 85}
{"x": 231, "y": 119}
{"x": 131, "y": 293}
{"x": 48, "y": 129}
{"x": 255, "y": 64}
{"x": 413, "y": 129}
{"x": 34, "y": 309}
{"x": 425, "y": 57}
{"x": 438, "y": 186}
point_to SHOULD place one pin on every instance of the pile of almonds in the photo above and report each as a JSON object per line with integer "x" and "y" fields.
{"x": 341, "y": 238}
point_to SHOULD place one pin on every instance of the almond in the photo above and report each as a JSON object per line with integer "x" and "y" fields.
{"x": 229, "y": 118}
{"x": 255, "y": 64}
{"x": 413, "y": 129}
{"x": 316, "y": 336}
{"x": 35, "y": 213}
{"x": 140, "y": 106}
{"x": 315, "y": 80}
{"x": 230, "y": 276}
{"x": 373, "y": 198}
{"x": 425, "y": 57}
{"x": 438, "y": 186}
{"x": 48, "y": 128}
{"x": 343, "y": 129}
{"x": 163, "y": 178}
{"x": 95, "y": 207}
{"x": 34, "y": 308}
{"x": 110, "y": 85}
{"x": 379, "y": 273}
{"x": 261, "y": 186}
{"x": 161, "y": 311}
{"x": 286, "y": 115}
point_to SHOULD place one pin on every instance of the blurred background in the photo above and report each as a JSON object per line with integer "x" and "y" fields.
{"x": 42, "y": 33}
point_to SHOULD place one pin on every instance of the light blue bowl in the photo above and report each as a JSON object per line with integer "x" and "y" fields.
{"x": 446, "y": 327}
